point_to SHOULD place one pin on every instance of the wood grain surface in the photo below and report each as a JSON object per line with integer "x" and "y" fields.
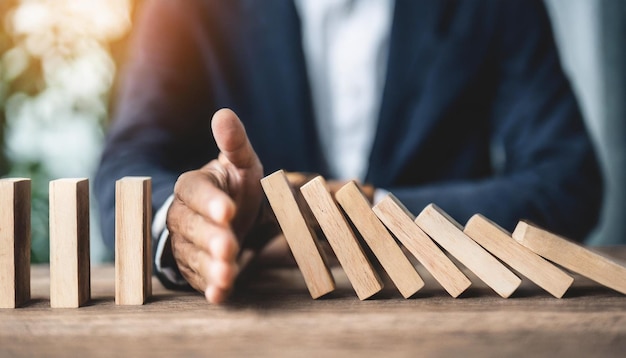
{"x": 500, "y": 243}
{"x": 133, "y": 249}
{"x": 69, "y": 242}
{"x": 399, "y": 220}
{"x": 379, "y": 240}
{"x": 345, "y": 245}
{"x": 449, "y": 234}
{"x": 15, "y": 194}
{"x": 302, "y": 239}
{"x": 273, "y": 315}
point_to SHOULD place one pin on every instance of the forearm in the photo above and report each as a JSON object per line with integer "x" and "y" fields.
{"x": 570, "y": 208}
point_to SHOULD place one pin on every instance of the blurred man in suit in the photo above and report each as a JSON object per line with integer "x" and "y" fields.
{"x": 459, "y": 103}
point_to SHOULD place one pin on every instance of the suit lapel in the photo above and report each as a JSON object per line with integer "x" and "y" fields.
{"x": 275, "y": 38}
{"x": 411, "y": 52}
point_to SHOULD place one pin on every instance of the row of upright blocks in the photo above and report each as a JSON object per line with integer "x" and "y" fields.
{"x": 490, "y": 252}
{"x": 70, "y": 284}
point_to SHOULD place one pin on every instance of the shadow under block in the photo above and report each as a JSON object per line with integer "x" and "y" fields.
{"x": 449, "y": 235}
{"x": 572, "y": 256}
{"x": 15, "y": 241}
{"x": 380, "y": 241}
{"x": 70, "y": 284}
{"x": 399, "y": 220}
{"x": 133, "y": 259}
{"x": 300, "y": 237}
{"x": 500, "y": 243}
{"x": 342, "y": 240}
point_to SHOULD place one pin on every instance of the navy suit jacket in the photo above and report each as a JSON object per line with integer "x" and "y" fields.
{"x": 477, "y": 115}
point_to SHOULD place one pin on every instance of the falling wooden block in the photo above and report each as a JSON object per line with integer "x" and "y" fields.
{"x": 382, "y": 244}
{"x": 399, "y": 221}
{"x": 70, "y": 284}
{"x": 15, "y": 196}
{"x": 449, "y": 235}
{"x": 572, "y": 256}
{"x": 342, "y": 240}
{"x": 133, "y": 253}
{"x": 301, "y": 239}
{"x": 500, "y": 243}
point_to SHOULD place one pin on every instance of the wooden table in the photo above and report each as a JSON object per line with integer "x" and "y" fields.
{"x": 273, "y": 315}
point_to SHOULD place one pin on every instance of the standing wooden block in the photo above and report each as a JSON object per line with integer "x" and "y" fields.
{"x": 133, "y": 253}
{"x": 382, "y": 244}
{"x": 14, "y": 242}
{"x": 344, "y": 243}
{"x": 449, "y": 235}
{"x": 70, "y": 284}
{"x": 301, "y": 239}
{"x": 572, "y": 256}
{"x": 500, "y": 243}
{"x": 399, "y": 221}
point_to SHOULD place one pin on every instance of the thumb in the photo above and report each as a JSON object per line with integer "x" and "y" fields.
{"x": 232, "y": 140}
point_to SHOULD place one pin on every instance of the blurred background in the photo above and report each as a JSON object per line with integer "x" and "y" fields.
{"x": 59, "y": 60}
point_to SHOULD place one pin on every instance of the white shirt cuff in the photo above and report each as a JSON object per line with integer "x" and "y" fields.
{"x": 160, "y": 231}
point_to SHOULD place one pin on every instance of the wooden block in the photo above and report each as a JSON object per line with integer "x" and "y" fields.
{"x": 449, "y": 235}
{"x": 70, "y": 283}
{"x": 133, "y": 253}
{"x": 572, "y": 256}
{"x": 500, "y": 243}
{"x": 380, "y": 241}
{"x": 301, "y": 239}
{"x": 362, "y": 276}
{"x": 399, "y": 221}
{"x": 15, "y": 242}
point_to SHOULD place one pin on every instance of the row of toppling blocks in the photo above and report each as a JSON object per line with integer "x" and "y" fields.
{"x": 70, "y": 283}
{"x": 484, "y": 248}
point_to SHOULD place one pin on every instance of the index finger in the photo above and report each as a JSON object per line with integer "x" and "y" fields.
{"x": 200, "y": 192}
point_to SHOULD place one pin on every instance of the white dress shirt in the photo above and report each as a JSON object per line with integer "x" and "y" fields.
{"x": 345, "y": 44}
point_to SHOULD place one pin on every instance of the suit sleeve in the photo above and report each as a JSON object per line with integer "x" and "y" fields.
{"x": 154, "y": 131}
{"x": 546, "y": 168}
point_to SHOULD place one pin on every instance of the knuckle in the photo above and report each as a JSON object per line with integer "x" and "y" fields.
{"x": 184, "y": 185}
{"x": 178, "y": 249}
{"x": 188, "y": 226}
{"x": 178, "y": 186}
{"x": 172, "y": 220}
{"x": 218, "y": 175}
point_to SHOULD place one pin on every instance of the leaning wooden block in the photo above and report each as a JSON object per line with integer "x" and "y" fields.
{"x": 572, "y": 256}
{"x": 399, "y": 221}
{"x": 133, "y": 258}
{"x": 300, "y": 237}
{"x": 382, "y": 244}
{"x": 500, "y": 243}
{"x": 449, "y": 235}
{"x": 14, "y": 242}
{"x": 70, "y": 284}
{"x": 344, "y": 243}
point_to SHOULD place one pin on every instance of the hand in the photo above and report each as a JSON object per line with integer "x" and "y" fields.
{"x": 214, "y": 208}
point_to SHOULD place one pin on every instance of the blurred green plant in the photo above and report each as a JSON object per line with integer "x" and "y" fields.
{"x": 56, "y": 76}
